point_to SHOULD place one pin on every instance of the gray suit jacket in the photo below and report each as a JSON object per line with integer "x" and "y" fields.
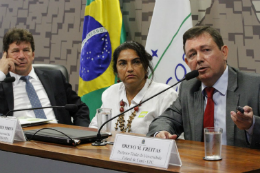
{"x": 186, "y": 113}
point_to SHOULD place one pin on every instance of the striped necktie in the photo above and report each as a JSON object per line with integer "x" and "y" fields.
{"x": 33, "y": 97}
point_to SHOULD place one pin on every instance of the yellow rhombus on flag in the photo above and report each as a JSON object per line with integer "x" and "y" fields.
{"x": 103, "y": 32}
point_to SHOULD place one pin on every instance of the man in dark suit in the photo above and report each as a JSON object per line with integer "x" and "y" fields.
{"x": 206, "y": 52}
{"x": 49, "y": 87}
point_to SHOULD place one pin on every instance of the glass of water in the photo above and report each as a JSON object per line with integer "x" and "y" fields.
{"x": 104, "y": 114}
{"x": 213, "y": 143}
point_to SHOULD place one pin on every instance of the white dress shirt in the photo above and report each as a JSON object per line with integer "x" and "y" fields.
{"x": 147, "y": 112}
{"x": 21, "y": 99}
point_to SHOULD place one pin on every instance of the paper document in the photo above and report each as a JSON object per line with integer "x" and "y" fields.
{"x": 29, "y": 121}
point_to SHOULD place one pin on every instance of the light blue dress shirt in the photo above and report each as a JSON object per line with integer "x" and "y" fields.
{"x": 220, "y": 99}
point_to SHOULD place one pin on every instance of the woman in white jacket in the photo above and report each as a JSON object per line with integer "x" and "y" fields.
{"x": 132, "y": 64}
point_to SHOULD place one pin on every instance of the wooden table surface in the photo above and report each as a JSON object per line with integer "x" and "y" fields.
{"x": 235, "y": 159}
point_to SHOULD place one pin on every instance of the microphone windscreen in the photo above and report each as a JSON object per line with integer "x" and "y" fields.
{"x": 192, "y": 74}
{"x": 71, "y": 107}
{"x": 9, "y": 79}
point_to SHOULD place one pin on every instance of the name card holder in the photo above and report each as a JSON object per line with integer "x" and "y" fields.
{"x": 145, "y": 151}
{"x": 10, "y": 130}
{"x": 175, "y": 157}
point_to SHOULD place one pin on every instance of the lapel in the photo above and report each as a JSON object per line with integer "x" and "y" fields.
{"x": 198, "y": 112}
{"x": 231, "y": 104}
{"x": 45, "y": 80}
{"x": 8, "y": 90}
{"x": 198, "y": 98}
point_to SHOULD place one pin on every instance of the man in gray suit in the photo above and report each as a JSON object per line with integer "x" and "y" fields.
{"x": 206, "y": 52}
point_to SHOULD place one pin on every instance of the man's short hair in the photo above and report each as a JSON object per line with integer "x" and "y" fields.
{"x": 199, "y": 30}
{"x": 17, "y": 35}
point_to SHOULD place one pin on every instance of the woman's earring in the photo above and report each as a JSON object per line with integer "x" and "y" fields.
{"x": 146, "y": 76}
{"x": 118, "y": 80}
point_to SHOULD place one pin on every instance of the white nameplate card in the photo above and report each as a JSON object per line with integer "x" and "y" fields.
{"x": 10, "y": 130}
{"x": 145, "y": 151}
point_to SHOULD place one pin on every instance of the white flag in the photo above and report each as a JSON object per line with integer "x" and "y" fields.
{"x": 171, "y": 18}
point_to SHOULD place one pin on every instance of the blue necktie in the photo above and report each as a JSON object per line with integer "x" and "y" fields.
{"x": 33, "y": 97}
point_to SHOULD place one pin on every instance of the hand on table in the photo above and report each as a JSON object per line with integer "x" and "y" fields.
{"x": 165, "y": 135}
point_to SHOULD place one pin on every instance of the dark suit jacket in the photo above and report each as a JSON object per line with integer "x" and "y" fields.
{"x": 59, "y": 93}
{"x": 186, "y": 113}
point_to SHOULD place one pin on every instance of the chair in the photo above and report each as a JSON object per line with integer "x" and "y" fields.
{"x": 62, "y": 68}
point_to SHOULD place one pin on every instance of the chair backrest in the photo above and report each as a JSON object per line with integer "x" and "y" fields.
{"x": 62, "y": 68}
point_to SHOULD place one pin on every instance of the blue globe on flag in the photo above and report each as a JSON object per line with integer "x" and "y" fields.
{"x": 95, "y": 50}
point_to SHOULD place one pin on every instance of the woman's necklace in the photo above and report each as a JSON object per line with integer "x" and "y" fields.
{"x": 121, "y": 120}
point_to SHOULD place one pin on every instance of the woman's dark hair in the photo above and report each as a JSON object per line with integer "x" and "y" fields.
{"x": 18, "y": 36}
{"x": 145, "y": 57}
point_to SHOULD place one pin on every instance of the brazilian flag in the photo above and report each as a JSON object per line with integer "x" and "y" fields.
{"x": 103, "y": 32}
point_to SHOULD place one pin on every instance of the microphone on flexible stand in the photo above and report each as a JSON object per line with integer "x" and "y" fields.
{"x": 8, "y": 79}
{"x": 188, "y": 76}
{"x": 69, "y": 107}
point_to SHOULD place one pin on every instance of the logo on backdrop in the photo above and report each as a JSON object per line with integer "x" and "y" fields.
{"x": 154, "y": 53}
{"x": 179, "y": 67}
{"x": 95, "y": 50}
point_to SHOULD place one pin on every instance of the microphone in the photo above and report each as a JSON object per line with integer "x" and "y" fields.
{"x": 191, "y": 75}
{"x": 8, "y": 79}
{"x": 69, "y": 107}
{"x": 188, "y": 76}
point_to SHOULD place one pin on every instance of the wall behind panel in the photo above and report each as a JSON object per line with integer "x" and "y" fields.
{"x": 237, "y": 20}
{"x": 57, "y": 27}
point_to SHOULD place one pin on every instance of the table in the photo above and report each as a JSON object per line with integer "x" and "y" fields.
{"x": 235, "y": 159}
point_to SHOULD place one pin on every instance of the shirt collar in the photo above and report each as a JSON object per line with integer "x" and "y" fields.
{"x": 17, "y": 77}
{"x": 221, "y": 84}
{"x": 138, "y": 98}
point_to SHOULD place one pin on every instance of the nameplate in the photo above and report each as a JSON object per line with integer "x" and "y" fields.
{"x": 10, "y": 130}
{"x": 145, "y": 151}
